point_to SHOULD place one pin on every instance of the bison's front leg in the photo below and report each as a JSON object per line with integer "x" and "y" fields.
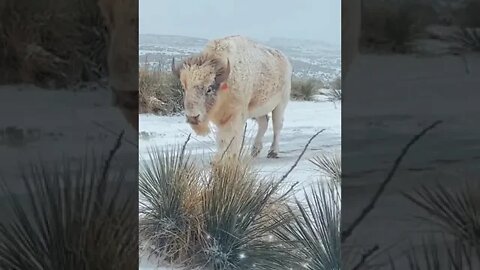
{"x": 229, "y": 138}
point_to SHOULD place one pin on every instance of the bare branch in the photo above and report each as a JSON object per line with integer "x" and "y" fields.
{"x": 371, "y": 205}
{"x": 300, "y": 156}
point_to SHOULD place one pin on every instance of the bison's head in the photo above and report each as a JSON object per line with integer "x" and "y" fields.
{"x": 201, "y": 77}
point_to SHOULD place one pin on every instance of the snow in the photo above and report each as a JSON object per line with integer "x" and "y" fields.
{"x": 302, "y": 120}
{"x": 71, "y": 126}
{"x": 309, "y": 58}
{"x": 381, "y": 114}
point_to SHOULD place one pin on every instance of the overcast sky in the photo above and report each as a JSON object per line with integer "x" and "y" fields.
{"x": 258, "y": 19}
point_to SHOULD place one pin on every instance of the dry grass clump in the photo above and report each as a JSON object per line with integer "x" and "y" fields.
{"x": 313, "y": 235}
{"x": 160, "y": 92}
{"x": 305, "y": 89}
{"x": 52, "y": 43}
{"x": 168, "y": 184}
{"x": 454, "y": 242}
{"x": 220, "y": 219}
{"x": 334, "y": 91}
{"x": 73, "y": 215}
{"x": 330, "y": 165}
{"x": 464, "y": 40}
{"x": 227, "y": 217}
{"x": 392, "y": 27}
{"x": 312, "y": 232}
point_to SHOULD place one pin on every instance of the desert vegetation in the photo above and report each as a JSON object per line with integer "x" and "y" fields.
{"x": 454, "y": 242}
{"x": 74, "y": 214}
{"x": 305, "y": 89}
{"x": 229, "y": 216}
{"x": 52, "y": 43}
{"x": 398, "y": 26}
{"x": 161, "y": 92}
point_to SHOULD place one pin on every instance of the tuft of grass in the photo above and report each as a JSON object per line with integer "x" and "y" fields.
{"x": 238, "y": 209}
{"x": 313, "y": 235}
{"x": 394, "y": 28}
{"x": 457, "y": 215}
{"x": 304, "y": 89}
{"x": 400, "y": 30}
{"x": 455, "y": 212}
{"x": 329, "y": 165}
{"x": 74, "y": 215}
{"x": 440, "y": 254}
{"x": 167, "y": 184}
{"x": 52, "y": 43}
{"x": 336, "y": 84}
{"x": 160, "y": 92}
{"x": 217, "y": 219}
{"x": 466, "y": 39}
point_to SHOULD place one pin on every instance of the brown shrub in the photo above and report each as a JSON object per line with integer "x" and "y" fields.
{"x": 160, "y": 92}
{"x": 51, "y": 42}
{"x": 305, "y": 89}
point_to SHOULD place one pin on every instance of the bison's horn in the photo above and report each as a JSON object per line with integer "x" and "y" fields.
{"x": 224, "y": 73}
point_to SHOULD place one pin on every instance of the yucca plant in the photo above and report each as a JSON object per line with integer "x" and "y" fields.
{"x": 169, "y": 204}
{"x": 238, "y": 210}
{"x": 74, "y": 215}
{"x": 454, "y": 212}
{"x": 330, "y": 165}
{"x": 313, "y": 235}
{"x": 332, "y": 95}
{"x": 439, "y": 254}
{"x": 467, "y": 39}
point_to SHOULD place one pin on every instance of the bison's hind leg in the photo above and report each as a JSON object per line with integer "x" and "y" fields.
{"x": 262, "y": 128}
{"x": 277, "y": 119}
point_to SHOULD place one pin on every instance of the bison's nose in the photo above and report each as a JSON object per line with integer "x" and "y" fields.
{"x": 193, "y": 119}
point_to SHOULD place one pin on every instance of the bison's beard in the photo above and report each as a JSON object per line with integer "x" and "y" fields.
{"x": 202, "y": 129}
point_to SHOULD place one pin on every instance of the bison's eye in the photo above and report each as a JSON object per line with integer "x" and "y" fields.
{"x": 212, "y": 88}
{"x": 209, "y": 89}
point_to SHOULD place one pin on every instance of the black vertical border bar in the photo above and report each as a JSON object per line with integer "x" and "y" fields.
{"x": 410, "y": 134}
{"x": 69, "y": 134}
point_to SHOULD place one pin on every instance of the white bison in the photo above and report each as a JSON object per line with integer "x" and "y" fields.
{"x": 231, "y": 80}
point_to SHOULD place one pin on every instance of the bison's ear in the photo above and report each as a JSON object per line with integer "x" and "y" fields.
{"x": 175, "y": 69}
{"x": 222, "y": 73}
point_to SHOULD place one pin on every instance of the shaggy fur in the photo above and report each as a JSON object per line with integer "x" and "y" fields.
{"x": 121, "y": 19}
{"x": 231, "y": 80}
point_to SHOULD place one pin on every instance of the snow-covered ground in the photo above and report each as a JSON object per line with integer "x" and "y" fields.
{"x": 51, "y": 125}
{"x": 401, "y": 96}
{"x": 302, "y": 120}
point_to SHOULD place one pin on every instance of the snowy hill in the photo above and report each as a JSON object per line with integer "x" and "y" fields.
{"x": 310, "y": 58}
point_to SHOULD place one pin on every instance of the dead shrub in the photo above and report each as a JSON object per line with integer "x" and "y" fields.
{"x": 305, "y": 89}
{"x": 160, "y": 92}
{"x": 52, "y": 43}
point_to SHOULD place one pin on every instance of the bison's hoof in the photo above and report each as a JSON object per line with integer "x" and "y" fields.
{"x": 272, "y": 154}
{"x": 255, "y": 151}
